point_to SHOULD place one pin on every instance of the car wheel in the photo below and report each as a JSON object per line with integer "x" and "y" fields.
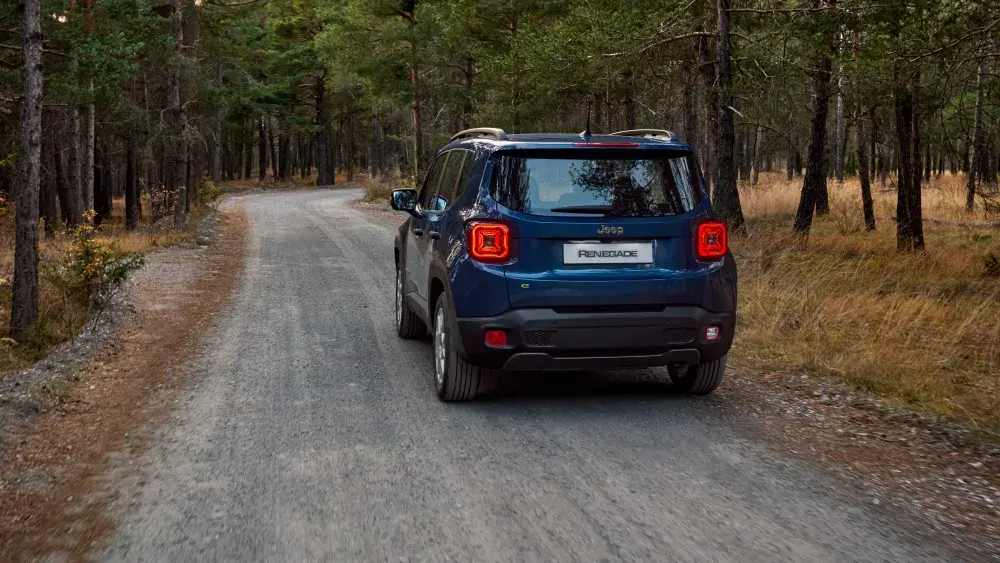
{"x": 454, "y": 378}
{"x": 701, "y": 379}
{"x": 408, "y": 325}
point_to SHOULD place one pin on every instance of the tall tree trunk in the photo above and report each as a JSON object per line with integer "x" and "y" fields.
{"x": 706, "y": 64}
{"x": 75, "y": 170}
{"x": 841, "y": 129}
{"x": 219, "y": 118}
{"x": 131, "y": 185}
{"x": 24, "y": 292}
{"x": 867, "y": 204}
{"x": 909, "y": 224}
{"x": 98, "y": 175}
{"x": 273, "y": 146}
{"x": 726, "y": 197}
{"x": 814, "y": 186}
{"x": 261, "y": 149}
{"x": 978, "y": 145}
{"x": 49, "y": 201}
{"x": 691, "y": 108}
{"x": 756, "y": 156}
{"x": 62, "y": 183}
{"x": 87, "y": 166}
{"x": 324, "y": 135}
{"x": 283, "y": 154}
{"x": 178, "y": 169}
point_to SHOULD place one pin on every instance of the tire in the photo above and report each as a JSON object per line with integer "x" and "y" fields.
{"x": 701, "y": 379}
{"x": 408, "y": 324}
{"x": 454, "y": 378}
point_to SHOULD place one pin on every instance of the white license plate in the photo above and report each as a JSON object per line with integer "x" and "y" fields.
{"x": 608, "y": 253}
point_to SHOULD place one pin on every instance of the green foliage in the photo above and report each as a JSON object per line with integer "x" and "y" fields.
{"x": 90, "y": 270}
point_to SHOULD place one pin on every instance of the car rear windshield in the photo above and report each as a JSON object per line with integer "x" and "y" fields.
{"x": 602, "y": 184}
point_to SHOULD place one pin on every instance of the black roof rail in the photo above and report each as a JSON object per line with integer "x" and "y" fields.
{"x": 670, "y": 135}
{"x": 494, "y": 132}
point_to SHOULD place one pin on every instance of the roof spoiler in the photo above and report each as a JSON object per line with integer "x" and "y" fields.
{"x": 670, "y": 135}
{"x": 494, "y": 132}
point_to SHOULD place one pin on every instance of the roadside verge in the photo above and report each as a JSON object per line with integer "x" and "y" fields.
{"x": 50, "y": 500}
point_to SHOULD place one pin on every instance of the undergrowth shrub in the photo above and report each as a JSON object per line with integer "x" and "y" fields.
{"x": 90, "y": 270}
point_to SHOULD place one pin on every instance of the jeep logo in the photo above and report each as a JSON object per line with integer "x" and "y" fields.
{"x": 606, "y": 230}
{"x": 608, "y": 253}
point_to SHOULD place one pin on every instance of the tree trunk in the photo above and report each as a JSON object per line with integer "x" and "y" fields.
{"x": 219, "y": 117}
{"x": 909, "y": 224}
{"x": 87, "y": 166}
{"x": 49, "y": 198}
{"x": 726, "y": 197}
{"x": 131, "y": 185}
{"x": 867, "y": 204}
{"x": 75, "y": 169}
{"x": 283, "y": 155}
{"x": 977, "y": 141}
{"x": 24, "y": 292}
{"x": 272, "y": 145}
{"x": 841, "y": 129}
{"x": 814, "y": 189}
{"x": 62, "y": 184}
{"x": 707, "y": 66}
{"x": 690, "y": 108}
{"x": 790, "y": 162}
{"x": 178, "y": 167}
{"x": 755, "y": 161}
{"x": 418, "y": 131}
{"x": 97, "y": 173}
{"x": 261, "y": 150}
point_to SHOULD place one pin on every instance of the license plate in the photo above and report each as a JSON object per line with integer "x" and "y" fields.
{"x": 608, "y": 253}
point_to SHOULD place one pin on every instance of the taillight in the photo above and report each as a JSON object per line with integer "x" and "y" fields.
{"x": 710, "y": 240}
{"x": 489, "y": 242}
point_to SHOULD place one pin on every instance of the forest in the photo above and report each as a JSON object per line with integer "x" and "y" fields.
{"x": 852, "y": 145}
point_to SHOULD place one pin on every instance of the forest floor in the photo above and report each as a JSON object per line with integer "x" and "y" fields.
{"x": 51, "y": 453}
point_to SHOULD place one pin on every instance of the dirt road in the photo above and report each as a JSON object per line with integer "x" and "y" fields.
{"x": 311, "y": 432}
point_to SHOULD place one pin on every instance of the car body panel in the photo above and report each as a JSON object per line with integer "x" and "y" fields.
{"x": 536, "y": 278}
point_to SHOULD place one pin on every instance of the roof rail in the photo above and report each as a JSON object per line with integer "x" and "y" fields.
{"x": 494, "y": 132}
{"x": 670, "y": 135}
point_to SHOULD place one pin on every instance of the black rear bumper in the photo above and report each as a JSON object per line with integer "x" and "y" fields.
{"x": 546, "y": 339}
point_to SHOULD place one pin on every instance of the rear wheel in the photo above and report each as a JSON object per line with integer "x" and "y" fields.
{"x": 408, "y": 325}
{"x": 701, "y": 379}
{"x": 454, "y": 378}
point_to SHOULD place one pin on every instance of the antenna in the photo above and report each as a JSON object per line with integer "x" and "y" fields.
{"x": 586, "y": 132}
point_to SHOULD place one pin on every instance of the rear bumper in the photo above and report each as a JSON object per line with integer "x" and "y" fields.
{"x": 545, "y": 339}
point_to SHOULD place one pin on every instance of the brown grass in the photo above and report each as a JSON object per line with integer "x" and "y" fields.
{"x": 920, "y": 328}
{"x": 60, "y": 315}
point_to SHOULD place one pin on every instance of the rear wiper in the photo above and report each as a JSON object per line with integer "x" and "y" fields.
{"x": 583, "y": 209}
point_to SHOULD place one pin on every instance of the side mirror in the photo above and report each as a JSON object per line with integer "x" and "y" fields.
{"x": 404, "y": 200}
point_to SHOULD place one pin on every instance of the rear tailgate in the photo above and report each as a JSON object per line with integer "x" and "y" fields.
{"x": 650, "y": 264}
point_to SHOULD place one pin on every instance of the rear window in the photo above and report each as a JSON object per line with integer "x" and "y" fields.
{"x": 610, "y": 185}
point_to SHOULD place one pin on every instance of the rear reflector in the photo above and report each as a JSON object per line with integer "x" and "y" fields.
{"x": 710, "y": 240}
{"x": 712, "y": 333}
{"x": 496, "y": 338}
{"x": 489, "y": 242}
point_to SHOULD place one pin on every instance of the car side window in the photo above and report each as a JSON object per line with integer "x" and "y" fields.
{"x": 433, "y": 181}
{"x": 454, "y": 178}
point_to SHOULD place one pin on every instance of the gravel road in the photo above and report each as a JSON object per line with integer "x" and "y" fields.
{"x": 311, "y": 432}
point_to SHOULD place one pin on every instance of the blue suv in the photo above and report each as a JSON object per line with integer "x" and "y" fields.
{"x": 565, "y": 252}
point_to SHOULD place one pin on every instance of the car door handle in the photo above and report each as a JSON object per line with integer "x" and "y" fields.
{"x": 418, "y": 232}
{"x": 435, "y": 235}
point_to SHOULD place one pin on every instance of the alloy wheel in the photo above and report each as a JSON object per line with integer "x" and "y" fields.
{"x": 440, "y": 347}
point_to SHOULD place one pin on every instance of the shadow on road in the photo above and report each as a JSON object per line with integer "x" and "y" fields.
{"x": 647, "y": 384}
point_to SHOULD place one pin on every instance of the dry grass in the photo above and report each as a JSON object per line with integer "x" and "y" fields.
{"x": 61, "y": 316}
{"x": 921, "y": 328}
